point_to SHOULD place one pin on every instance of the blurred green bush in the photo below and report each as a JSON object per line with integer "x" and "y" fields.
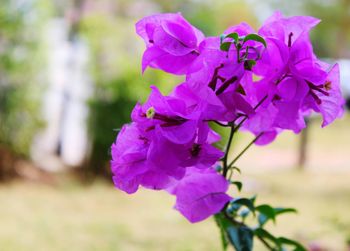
{"x": 21, "y": 58}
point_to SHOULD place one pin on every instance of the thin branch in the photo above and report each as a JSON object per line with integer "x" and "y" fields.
{"x": 232, "y": 132}
{"x": 265, "y": 243}
{"x": 255, "y": 107}
{"x": 225, "y": 169}
{"x": 244, "y": 150}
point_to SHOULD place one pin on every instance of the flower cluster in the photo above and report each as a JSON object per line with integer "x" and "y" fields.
{"x": 262, "y": 82}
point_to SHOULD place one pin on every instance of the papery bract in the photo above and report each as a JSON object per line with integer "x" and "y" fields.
{"x": 170, "y": 114}
{"x": 129, "y": 163}
{"x": 200, "y": 194}
{"x": 172, "y": 42}
{"x": 263, "y": 83}
{"x": 292, "y": 79}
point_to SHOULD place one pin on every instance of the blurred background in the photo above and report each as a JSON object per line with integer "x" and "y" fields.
{"x": 70, "y": 73}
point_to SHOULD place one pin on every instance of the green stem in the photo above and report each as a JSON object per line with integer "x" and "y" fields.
{"x": 225, "y": 168}
{"x": 244, "y": 150}
{"x": 232, "y": 132}
{"x": 266, "y": 243}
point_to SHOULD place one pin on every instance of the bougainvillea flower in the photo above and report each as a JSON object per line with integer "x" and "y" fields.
{"x": 129, "y": 160}
{"x": 201, "y": 99}
{"x": 292, "y": 77}
{"x": 222, "y": 71}
{"x": 150, "y": 162}
{"x": 287, "y": 29}
{"x": 263, "y": 83}
{"x": 172, "y": 42}
{"x": 200, "y": 194}
{"x": 166, "y": 136}
{"x": 170, "y": 114}
{"x": 156, "y": 162}
{"x": 201, "y": 153}
{"x": 170, "y": 157}
{"x": 326, "y": 98}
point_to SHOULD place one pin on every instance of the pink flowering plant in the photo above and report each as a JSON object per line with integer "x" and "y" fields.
{"x": 262, "y": 82}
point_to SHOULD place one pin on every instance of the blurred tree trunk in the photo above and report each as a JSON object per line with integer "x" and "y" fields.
{"x": 7, "y": 160}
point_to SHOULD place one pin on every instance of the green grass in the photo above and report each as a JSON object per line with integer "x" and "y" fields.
{"x": 98, "y": 217}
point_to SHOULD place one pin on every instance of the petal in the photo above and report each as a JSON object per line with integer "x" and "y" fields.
{"x": 159, "y": 59}
{"x": 145, "y": 27}
{"x": 280, "y": 27}
{"x": 200, "y": 194}
{"x": 170, "y": 44}
{"x": 183, "y": 33}
{"x": 332, "y": 106}
{"x": 242, "y": 29}
{"x": 181, "y": 134}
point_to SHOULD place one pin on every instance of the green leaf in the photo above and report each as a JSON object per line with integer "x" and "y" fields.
{"x": 234, "y": 36}
{"x": 223, "y": 224}
{"x": 238, "y": 184}
{"x": 225, "y": 46}
{"x": 253, "y": 199}
{"x": 262, "y": 233}
{"x": 248, "y": 64}
{"x": 236, "y": 168}
{"x": 263, "y": 217}
{"x": 241, "y": 237}
{"x": 266, "y": 213}
{"x": 245, "y": 202}
{"x": 281, "y": 210}
{"x": 255, "y": 37}
{"x": 297, "y": 246}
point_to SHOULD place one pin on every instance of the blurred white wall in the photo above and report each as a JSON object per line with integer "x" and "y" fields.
{"x": 64, "y": 141}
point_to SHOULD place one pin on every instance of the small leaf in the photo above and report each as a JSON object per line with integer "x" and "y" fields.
{"x": 248, "y": 64}
{"x": 225, "y": 46}
{"x": 263, "y": 218}
{"x": 255, "y": 37}
{"x": 281, "y": 210}
{"x": 253, "y": 199}
{"x": 262, "y": 233}
{"x": 241, "y": 237}
{"x": 241, "y": 90}
{"x": 236, "y": 168}
{"x": 297, "y": 246}
{"x": 234, "y": 36}
{"x": 266, "y": 213}
{"x": 249, "y": 203}
{"x": 223, "y": 223}
{"x": 238, "y": 184}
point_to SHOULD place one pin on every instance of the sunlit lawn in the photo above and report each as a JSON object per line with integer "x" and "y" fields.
{"x": 98, "y": 217}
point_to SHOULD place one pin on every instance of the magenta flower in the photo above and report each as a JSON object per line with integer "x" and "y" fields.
{"x": 326, "y": 98}
{"x": 294, "y": 80}
{"x": 174, "y": 119}
{"x": 166, "y": 136}
{"x": 281, "y": 28}
{"x": 200, "y": 194}
{"x": 172, "y": 42}
{"x": 129, "y": 160}
{"x": 263, "y": 83}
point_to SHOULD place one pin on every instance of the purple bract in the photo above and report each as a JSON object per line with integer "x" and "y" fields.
{"x": 263, "y": 82}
